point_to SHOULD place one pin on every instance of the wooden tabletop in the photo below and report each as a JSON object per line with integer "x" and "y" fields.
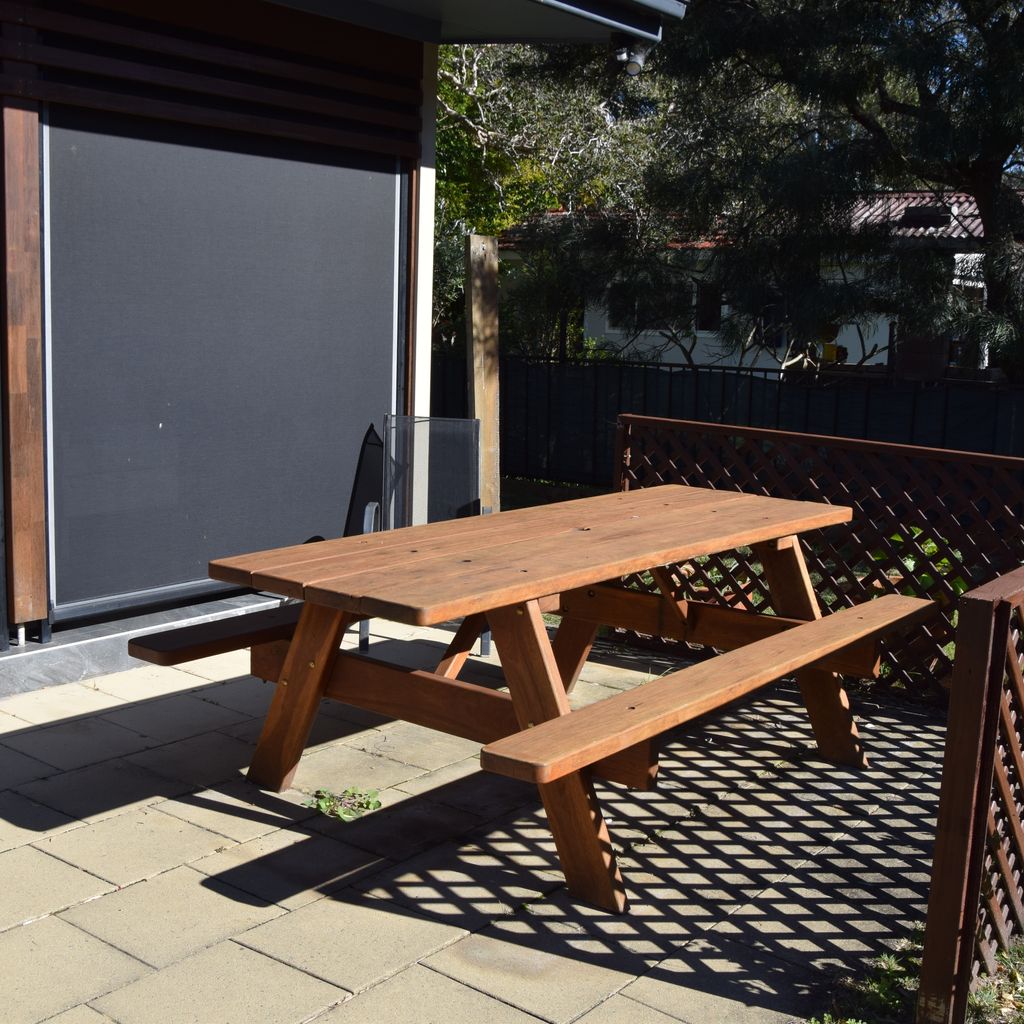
{"x": 427, "y": 574}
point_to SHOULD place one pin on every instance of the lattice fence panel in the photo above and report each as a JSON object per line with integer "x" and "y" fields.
{"x": 1001, "y": 898}
{"x": 926, "y": 522}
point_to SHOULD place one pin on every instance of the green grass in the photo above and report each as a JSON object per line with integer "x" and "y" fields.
{"x": 1000, "y": 997}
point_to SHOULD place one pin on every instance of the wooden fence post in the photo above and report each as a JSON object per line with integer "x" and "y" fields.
{"x": 964, "y": 807}
{"x": 482, "y": 352}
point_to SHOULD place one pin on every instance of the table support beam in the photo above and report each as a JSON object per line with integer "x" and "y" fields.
{"x": 450, "y": 706}
{"x": 827, "y": 703}
{"x": 571, "y": 646}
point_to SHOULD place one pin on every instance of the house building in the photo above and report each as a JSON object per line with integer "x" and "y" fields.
{"x": 948, "y": 223}
{"x": 218, "y": 226}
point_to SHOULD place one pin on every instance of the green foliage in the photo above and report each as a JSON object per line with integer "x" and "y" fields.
{"x": 1000, "y": 997}
{"x": 756, "y": 126}
{"x": 345, "y": 806}
{"x": 887, "y": 994}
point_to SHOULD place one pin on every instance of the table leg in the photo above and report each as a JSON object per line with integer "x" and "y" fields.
{"x": 581, "y": 836}
{"x": 827, "y": 703}
{"x": 303, "y": 680}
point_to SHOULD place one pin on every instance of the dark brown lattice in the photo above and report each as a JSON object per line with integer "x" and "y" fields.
{"x": 1001, "y": 901}
{"x": 926, "y": 522}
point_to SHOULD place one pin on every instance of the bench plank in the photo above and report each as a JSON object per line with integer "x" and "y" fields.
{"x": 567, "y": 744}
{"x": 204, "y": 639}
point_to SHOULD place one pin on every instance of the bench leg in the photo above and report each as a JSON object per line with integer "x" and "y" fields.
{"x": 580, "y": 833}
{"x": 307, "y": 667}
{"x": 824, "y": 697}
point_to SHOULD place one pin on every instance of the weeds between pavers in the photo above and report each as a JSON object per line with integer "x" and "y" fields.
{"x": 345, "y": 806}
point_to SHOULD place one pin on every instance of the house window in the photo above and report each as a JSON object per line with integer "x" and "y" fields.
{"x": 630, "y": 310}
{"x": 709, "y": 308}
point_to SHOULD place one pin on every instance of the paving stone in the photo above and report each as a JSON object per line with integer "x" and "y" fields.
{"x": 621, "y": 1010}
{"x": 238, "y": 810}
{"x": 481, "y": 793}
{"x": 170, "y": 917}
{"x": 55, "y": 703}
{"x": 35, "y": 988}
{"x": 226, "y": 984}
{"x": 422, "y": 996}
{"x": 81, "y": 1014}
{"x": 78, "y": 742}
{"x": 16, "y": 768}
{"x": 35, "y": 884}
{"x": 463, "y": 885}
{"x": 249, "y": 695}
{"x": 412, "y": 744}
{"x": 403, "y": 826}
{"x": 23, "y": 820}
{"x": 586, "y": 692}
{"x": 229, "y": 665}
{"x": 135, "y": 845}
{"x": 729, "y": 983}
{"x": 338, "y": 767}
{"x": 353, "y": 943}
{"x": 8, "y": 723}
{"x": 815, "y": 926}
{"x": 102, "y": 790}
{"x": 289, "y": 867}
{"x": 555, "y": 977}
{"x": 326, "y": 729}
{"x": 144, "y": 683}
{"x": 436, "y": 780}
{"x": 202, "y": 760}
{"x": 174, "y": 718}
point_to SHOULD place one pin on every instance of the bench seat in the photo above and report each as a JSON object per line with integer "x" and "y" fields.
{"x": 203, "y": 640}
{"x": 558, "y": 747}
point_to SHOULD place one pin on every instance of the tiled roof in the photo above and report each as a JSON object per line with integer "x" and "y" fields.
{"x": 949, "y": 217}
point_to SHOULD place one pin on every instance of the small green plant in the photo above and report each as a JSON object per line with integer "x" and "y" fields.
{"x": 1000, "y": 997}
{"x": 886, "y": 995}
{"x": 347, "y": 806}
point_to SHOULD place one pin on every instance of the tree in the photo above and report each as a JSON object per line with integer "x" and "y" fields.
{"x": 888, "y": 93}
{"x": 738, "y": 156}
{"x": 516, "y": 139}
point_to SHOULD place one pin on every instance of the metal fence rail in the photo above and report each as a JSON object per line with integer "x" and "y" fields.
{"x": 558, "y": 419}
{"x": 926, "y": 522}
{"x": 976, "y": 905}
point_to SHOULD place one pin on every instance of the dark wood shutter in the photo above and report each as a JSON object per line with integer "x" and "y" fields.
{"x": 231, "y": 65}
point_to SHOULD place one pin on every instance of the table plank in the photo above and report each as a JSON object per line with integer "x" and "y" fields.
{"x": 330, "y": 558}
{"x": 451, "y": 585}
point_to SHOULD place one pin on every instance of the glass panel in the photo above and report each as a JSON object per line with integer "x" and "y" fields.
{"x": 431, "y": 470}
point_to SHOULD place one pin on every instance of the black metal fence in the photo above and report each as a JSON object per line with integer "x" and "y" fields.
{"x": 558, "y": 419}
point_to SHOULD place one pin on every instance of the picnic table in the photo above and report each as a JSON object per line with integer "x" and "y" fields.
{"x": 505, "y": 571}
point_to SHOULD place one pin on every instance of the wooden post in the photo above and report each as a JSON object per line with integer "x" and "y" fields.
{"x": 482, "y": 352}
{"x": 964, "y": 803}
{"x": 23, "y": 365}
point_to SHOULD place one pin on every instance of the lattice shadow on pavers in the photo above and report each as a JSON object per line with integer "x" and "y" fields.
{"x": 749, "y": 845}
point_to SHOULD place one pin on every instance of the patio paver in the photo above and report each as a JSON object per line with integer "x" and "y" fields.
{"x": 228, "y": 984}
{"x": 165, "y": 919}
{"x": 33, "y": 990}
{"x": 447, "y": 904}
{"x": 351, "y": 943}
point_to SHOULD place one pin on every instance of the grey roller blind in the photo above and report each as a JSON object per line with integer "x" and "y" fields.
{"x": 223, "y": 328}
